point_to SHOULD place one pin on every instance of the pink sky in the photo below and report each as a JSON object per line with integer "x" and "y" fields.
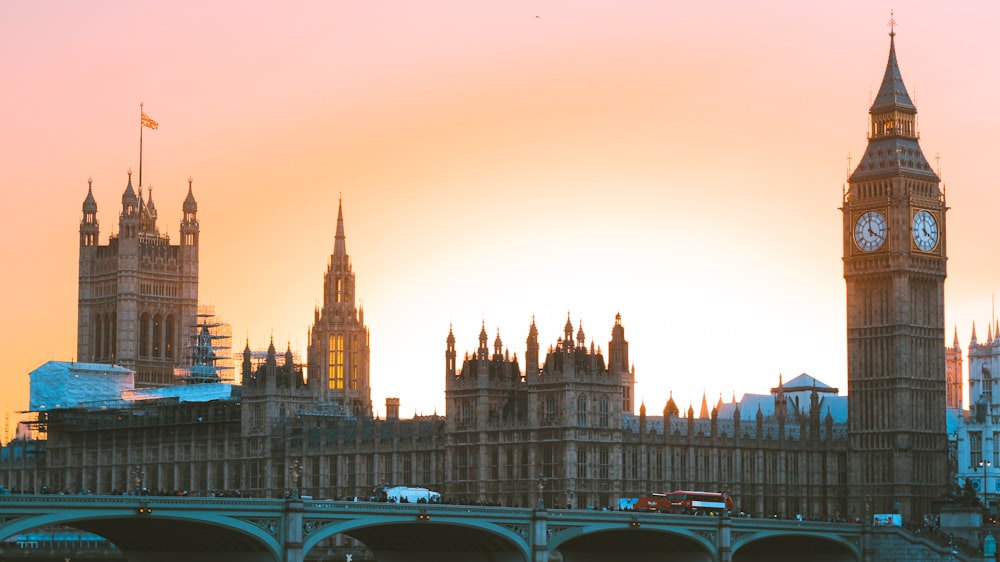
{"x": 679, "y": 164}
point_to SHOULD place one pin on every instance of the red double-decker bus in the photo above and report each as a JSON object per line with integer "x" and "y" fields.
{"x": 685, "y": 502}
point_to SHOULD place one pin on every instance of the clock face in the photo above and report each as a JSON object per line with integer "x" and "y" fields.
{"x": 925, "y": 231}
{"x": 870, "y": 231}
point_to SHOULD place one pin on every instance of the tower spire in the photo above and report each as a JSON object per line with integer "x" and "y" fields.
{"x": 340, "y": 241}
{"x": 892, "y": 92}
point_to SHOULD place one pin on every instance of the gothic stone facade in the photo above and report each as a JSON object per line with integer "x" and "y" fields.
{"x": 138, "y": 294}
{"x": 561, "y": 434}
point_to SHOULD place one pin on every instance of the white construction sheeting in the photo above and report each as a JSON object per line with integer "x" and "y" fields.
{"x": 61, "y": 384}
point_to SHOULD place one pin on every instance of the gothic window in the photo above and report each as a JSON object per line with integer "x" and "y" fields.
{"x": 368, "y": 470}
{"x": 157, "y": 335}
{"x": 168, "y": 329}
{"x": 604, "y": 464}
{"x": 581, "y": 411}
{"x": 466, "y": 416}
{"x": 602, "y": 418}
{"x": 462, "y": 464}
{"x": 726, "y": 464}
{"x": 549, "y": 413}
{"x": 256, "y": 416}
{"x": 144, "y": 334}
{"x": 581, "y": 462}
{"x": 111, "y": 325}
{"x": 339, "y": 291}
{"x": 791, "y": 470}
{"x": 975, "y": 448}
{"x": 98, "y": 340}
{"x": 548, "y": 461}
{"x": 336, "y": 380}
{"x": 987, "y": 383}
{"x": 389, "y": 468}
{"x": 996, "y": 451}
{"x": 354, "y": 362}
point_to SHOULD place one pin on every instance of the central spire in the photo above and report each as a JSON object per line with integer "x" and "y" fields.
{"x": 340, "y": 241}
{"x": 892, "y": 94}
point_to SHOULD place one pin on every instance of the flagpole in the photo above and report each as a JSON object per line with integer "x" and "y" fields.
{"x": 140, "y": 144}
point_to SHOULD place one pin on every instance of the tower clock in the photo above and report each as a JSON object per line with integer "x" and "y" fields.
{"x": 894, "y": 267}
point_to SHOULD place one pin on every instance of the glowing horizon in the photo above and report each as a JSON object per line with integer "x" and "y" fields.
{"x": 680, "y": 165}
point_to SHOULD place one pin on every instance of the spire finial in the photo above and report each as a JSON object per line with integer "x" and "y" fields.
{"x": 892, "y": 24}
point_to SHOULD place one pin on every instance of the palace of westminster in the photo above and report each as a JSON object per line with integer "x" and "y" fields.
{"x": 559, "y": 430}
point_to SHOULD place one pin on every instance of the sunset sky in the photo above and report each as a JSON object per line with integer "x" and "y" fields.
{"x": 679, "y": 163}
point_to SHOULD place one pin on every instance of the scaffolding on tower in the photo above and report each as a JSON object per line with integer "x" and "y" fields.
{"x": 211, "y": 358}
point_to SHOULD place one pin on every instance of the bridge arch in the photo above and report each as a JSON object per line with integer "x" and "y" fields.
{"x": 215, "y": 536}
{"x": 602, "y": 541}
{"x": 780, "y": 546}
{"x": 437, "y": 538}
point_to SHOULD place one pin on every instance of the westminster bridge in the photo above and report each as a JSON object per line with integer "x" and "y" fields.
{"x": 158, "y": 529}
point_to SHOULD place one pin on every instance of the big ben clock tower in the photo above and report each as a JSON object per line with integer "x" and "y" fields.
{"x": 894, "y": 266}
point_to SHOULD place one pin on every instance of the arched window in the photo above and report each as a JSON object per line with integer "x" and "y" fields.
{"x": 144, "y": 334}
{"x": 112, "y": 338}
{"x": 602, "y": 419}
{"x": 169, "y": 336}
{"x": 157, "y": 343}
{"x": 581, "y": 411}
{"x": 98, "y": 340}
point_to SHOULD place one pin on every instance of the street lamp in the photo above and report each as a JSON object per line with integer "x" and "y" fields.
{"x": 541, "y": 492}
{"x": 296, "y": 472}
{"x": 138, "y": 476}
{"x": 985, "y": 465}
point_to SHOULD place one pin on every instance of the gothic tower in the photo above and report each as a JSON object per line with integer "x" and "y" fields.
{"x": 138, "y": 295}
{"x": 953, "y": 359}
{"x": 894, "y": 267}
{"x": 338, "y": 352}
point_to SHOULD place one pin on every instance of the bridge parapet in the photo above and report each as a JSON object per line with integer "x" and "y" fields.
{"x": 286, "y": 530}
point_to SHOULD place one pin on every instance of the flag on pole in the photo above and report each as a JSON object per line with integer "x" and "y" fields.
{"x": 147, "y": 122}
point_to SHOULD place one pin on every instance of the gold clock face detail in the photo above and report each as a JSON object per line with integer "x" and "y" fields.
{"x": 925, "y": 231}
{"x": 870, "y": 231}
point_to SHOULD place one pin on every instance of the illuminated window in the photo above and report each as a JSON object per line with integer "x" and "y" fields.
{"x": 339, "y": 297}
{"x": 337, "y": 362}
{"x": 354, "y": 363}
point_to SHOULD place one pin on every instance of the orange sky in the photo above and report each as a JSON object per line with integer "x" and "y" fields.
{"x": 679, "y": 164}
